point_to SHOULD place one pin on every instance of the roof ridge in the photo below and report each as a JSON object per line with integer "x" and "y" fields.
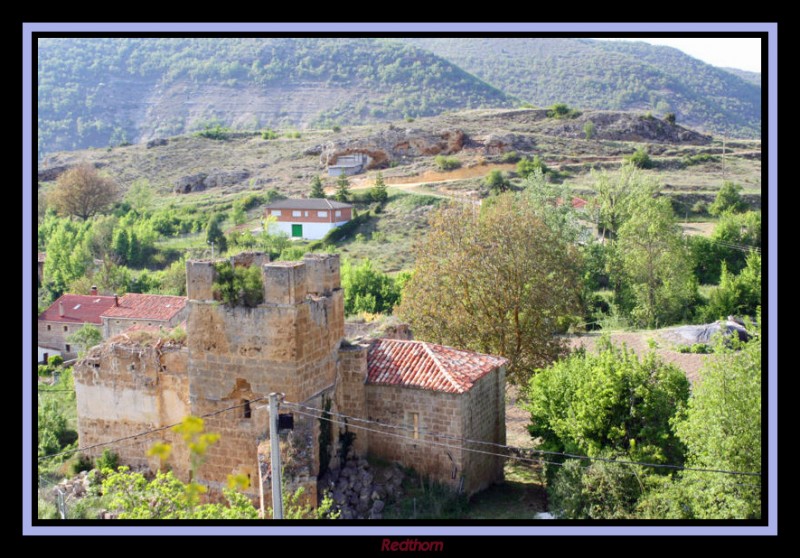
{"x": 442, "y": 368}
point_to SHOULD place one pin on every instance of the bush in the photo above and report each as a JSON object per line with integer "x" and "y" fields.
{"x": 729, "y": 200}
{"x": 669, "y": 118}
{"x": 562, "y": 110}
{"x": 510, "y": 157}
{"x": 55, "y": 361}
{"x": 269, "y": 135}
{"x": 446, "y": 163}
{"x": 639, "y": 158}
{"x": 527, "y": 167}
{"x": 83, "y": 463}
{"x": 588, "y": 130}
{"x": 240, "y": 286}
{"x": 108, "y": 460}
{"x": 216, "y": 132}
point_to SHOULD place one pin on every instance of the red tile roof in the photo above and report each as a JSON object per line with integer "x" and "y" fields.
{"x": 78, "y": 309}
{"x": 426, "y": 365}
{"x": 578, "y": 203}
{"x": 146, "y": 307}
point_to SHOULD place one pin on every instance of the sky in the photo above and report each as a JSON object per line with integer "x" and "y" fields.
{"x": 724, "y": 52}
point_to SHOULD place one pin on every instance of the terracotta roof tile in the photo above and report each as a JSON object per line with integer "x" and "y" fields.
{"x": 78, "y": 309}
{"x": 426, "y": 365}
{"x": 146, "y": 307}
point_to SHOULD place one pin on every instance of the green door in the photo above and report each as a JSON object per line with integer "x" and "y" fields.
{"x": 297, "y": 231}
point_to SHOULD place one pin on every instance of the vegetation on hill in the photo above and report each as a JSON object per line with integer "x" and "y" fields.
{"x": 111, "y": 91}
{"x": 616, "y": 75}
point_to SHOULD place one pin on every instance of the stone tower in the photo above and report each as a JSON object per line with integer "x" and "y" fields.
{"x": 237, "y": 355}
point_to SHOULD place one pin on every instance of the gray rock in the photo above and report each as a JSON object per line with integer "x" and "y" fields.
{"x": 156, "y": 142}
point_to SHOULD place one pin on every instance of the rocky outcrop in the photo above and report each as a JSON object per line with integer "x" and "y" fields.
{"x": 393, "y": 143}
{"x": 625, "y": 126}
{"x": 201, "y": 181}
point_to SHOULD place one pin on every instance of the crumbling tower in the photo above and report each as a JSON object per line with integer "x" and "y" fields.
{"x": 238, "y": 355}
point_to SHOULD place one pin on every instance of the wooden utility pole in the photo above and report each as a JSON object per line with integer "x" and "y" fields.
{"x": 275, "y": 457}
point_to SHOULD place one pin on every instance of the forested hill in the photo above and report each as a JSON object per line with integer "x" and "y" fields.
{"x": 752, "y": 77}
{"x": 616, "y": 75}
{"x": 95, "y": 92}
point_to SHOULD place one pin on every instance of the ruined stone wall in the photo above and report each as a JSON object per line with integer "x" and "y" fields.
{"x": 124, "y": 389}
{"x": 483, "y": 416}
{"x": 288, "y": 345}
{"x": 350, "y": 397}
{"x": 438, "y": 414}
{"x": 115, "y": 326}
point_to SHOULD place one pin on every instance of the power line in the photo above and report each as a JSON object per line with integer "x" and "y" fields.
{"x": 518, "y": 449}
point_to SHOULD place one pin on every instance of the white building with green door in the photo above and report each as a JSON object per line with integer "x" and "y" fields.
{"x": 307, "y": 218}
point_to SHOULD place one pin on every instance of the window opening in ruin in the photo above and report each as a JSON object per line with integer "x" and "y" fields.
{"x": 247, "y": 411}
{"x": 67, "y": 348}
{"x": 48, "y": 328}
{"x": 65, "y": 328}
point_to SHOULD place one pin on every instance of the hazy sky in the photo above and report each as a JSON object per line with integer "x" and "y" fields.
{"x": 744, "y": 54}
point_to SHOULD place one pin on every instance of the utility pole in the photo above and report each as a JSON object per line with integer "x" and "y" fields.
{"x": 212, "y": 249}
{"x": 275, "y": 457}
{"x": 723, "y": 156}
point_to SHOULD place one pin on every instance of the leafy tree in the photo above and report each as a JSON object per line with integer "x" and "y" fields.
{"x": 238, "y": 215}
{"x": 367, "y": 289}
{"x": 552, "y": 203}
{"x": 86, "y": 337}
{"x": 526, "y": 166}
{"x": 610, "y": 400}
{"x": 655, "y": 264}
{"x": 588, "y": 129}
{"x": 497, "y": 182}
{"x": 617, "y": 196}
{"x": 736, "y": 294}
{"x": 342, "y": 189}
{"x": 729, "y": 199}
{"x": 669, "y": 118}
{"x": 140, "y": 196}
{"x": 561, "y": 110}
{"x": 51, "y": 427}
{"x": 215, "y": 236}
{"x": 479, "y": 283}
{"x": 82, "y": 191}
{"x": 378, "y": 192}
{"x": 68, "y": 254}
{"x": 316, "y": 188}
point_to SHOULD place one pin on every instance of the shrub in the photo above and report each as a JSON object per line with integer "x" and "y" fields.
{"x": 526, "y": 166}
{"x": 336, "y": 129}
{"x": 240, "y": 286}
{"x": 55, "y": 360}
{"x": 669, "y": 118}
{"x": 510, "y": 157}
{"x": 83, "y": 463}
{"x": 108, "y": 460}
{"x": 269, "y": 135}
{"x": 216, "y": 132}
{"x": 562, "y": 110}
{"x": 639, "y": 158}
{"x": 446, "y": 163}
{"x": 588, "y": 130}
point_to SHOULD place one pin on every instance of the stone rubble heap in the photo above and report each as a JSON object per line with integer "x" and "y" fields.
{"x": 357, "y": 492}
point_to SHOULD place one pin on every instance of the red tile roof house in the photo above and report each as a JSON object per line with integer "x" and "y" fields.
{"x": 448, "y": 402}
{"x": 146, "y": 310}
{"x": 308, "y": 218}
{"x": 67, "y": 315}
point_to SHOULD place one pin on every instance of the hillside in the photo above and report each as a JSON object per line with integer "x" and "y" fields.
{"x": 752, "y": 77}
{"x": 615, "y": 75}
{"x": 95, "y": 92}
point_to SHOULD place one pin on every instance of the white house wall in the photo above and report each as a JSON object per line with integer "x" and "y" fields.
{"x": 311, "y": 231}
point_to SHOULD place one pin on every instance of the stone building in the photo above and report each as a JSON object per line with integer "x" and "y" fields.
{"x": 437, "y": 398}
{"x": 147, "y": 310}
{"x": 66, "y": 316}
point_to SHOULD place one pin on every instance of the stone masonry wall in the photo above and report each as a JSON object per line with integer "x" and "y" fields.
{"x": 56, "y": 336}
{"x": 124, "y": 389}
{"x": 350, "y": 397}
{"x": 483, "y": 416}
{"x": 288, "y": 345}
{"x": 439, "y": 413}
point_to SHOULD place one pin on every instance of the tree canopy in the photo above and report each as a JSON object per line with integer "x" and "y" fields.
{"x": 82, "y": 191}
{"x": 479, "y": 283}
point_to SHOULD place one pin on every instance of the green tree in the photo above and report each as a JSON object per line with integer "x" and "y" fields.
{"x": 669, "y": 118}
{"x": 526, "y": 166}
{"x": 618, "y": 195}
{"x": 496, "y": 182}
{"x": 736, "y": 294}
{"x": 82, "y": 191}
{"x": 588, "y": 130}
{"x": 140, "y": 196}
{"x": 239, "y": 285}
{"x": 86, "y": 337}
{"x": 215, "y": 236}
{"x": 367, "y": 289}
{"x": 316, "y": 188}
{"x": 378, "y": 192}
{"x": 479, "y": 283}
{"x": 729, "y": 199}
{"x": 342, "y": 189}
{"x": 656, "y": 265}
{"x": 68, "y": 254}
{"x": 238, "y": 214}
